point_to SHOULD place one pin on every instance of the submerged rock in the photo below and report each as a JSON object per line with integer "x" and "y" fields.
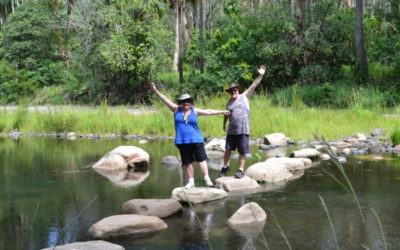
{"x": 231, "y": 184}
{"x": 170, "y": 162}
{"x": 88, "y": 245}
{"x": 198, "y": 194}
{"x": 123, "y": 157}
{"x": 152, "y": 207}
{"x": 127, "y": 225}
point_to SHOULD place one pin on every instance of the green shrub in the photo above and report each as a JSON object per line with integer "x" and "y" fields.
{"x": 395, "y": 136}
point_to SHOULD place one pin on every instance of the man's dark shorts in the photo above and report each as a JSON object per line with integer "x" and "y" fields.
{"x": 191, "y": 152}
{"x": 239, "y": 142}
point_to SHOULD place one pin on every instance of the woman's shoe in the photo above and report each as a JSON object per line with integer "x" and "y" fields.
{"x": 189, "y": 185}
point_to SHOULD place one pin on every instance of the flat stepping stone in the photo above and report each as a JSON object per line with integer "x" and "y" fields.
{"x": 126, "y": 225}
{"x": 231, "y": 184}
{"x": 198, "y": 194}
{"x": 152, "y": 207}
{"x": 291, "y": 163}
{"x": 88, "y": 245}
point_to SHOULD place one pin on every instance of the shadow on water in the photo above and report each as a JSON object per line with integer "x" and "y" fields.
{"x": 47, "y": 183}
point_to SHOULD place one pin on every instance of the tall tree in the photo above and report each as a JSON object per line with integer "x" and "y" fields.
{"x": 361, "y": 60}
{"x": 201, "y": 38}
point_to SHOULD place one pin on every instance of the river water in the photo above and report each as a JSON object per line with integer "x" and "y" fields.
{"x": 50, "y": 196}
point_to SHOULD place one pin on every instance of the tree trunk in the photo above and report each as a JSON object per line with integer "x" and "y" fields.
{"x": 181, "y": 42}
{"x": 185, "y": 24}
{"x": 361, "y": 63}
{"x": 348, "y": 4}
{"x": 176, "y": 51}
{"x": 292, "y": 7}
{"x": 201, "y": 38}
{"x": 302, "y": 7}
{"x": 5, "y": 9}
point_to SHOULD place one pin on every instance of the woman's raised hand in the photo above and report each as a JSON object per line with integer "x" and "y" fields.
{"x": 261, "y": 70}
{"x": 226, "y": 112}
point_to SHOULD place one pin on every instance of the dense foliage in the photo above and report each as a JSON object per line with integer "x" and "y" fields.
{"x": 95, "y": 51}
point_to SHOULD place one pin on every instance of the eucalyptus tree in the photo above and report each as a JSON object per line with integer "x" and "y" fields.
{"x": 361, "y": 61}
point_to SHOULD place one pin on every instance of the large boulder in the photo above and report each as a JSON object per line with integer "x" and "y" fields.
{"x": 216, "y": 145}
{"x": 311, "y": 153}
{"x": 152, "y": 207}
{"x": 125, "y": 178}
{"x": 88, "y": 245}
{"x": 231, "y": 184}
{"x": 198, "y": 194}
{"x": 268, "y": 172}
{"x": 250, "y": 218}
{"x": 291, "y": 163}
{"x": 276, "y": 139}
{"x": 127, "y": 225}
{"x": 123, "y": 157}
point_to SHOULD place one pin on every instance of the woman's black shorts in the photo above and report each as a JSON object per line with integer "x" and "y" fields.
{"x": 191, "y": 152}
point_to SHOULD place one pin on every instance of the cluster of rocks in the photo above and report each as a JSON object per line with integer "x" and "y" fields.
{"x": 15, "y": 134}
{"x": 144, "y": 217}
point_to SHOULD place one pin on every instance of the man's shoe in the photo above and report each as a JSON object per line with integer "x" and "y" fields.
{"x": 224, "y": 172}
{"x": 239, "y": 174}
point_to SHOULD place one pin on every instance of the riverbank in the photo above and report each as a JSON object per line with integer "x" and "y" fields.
{"x": 298, "y": 123}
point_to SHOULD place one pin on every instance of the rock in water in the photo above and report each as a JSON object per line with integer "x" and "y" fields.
{"x": 152, "y": 207}
{"x": 269, "y": 172}
{"x": 276, "y": 139}
{"x": 127, "y": 225}
{"x": 216, "y": 145}
{"x": 250, "y": 218}
{"x": 311, "y": 153}
{"x": 198, "y": 194}
{"x": 123, "y": 157}
{"x": 88, "y": 245}
{"x": 232, "y": 184}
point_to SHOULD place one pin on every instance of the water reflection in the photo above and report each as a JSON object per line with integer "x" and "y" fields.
{"x": 44, "y": 197}
{"x": 125, "y": 178}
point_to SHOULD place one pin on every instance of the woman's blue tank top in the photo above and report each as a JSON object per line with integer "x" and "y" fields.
{"x": 187, "y": 129}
